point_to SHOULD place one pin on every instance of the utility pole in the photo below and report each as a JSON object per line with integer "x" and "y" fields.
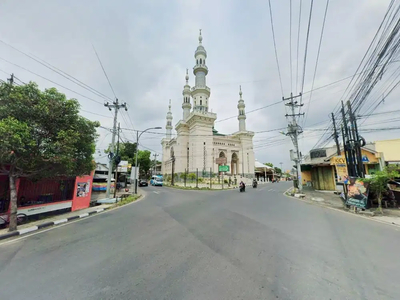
{"x": 116, "y": 106}
{"x": 117, "y": 160}
{"x": 294, "y": 130}
{"x": 347, "y": 145}
{"x": 335, "y": 134}
{"x": 357, "y": 142}
{"x": 281, "y": 163}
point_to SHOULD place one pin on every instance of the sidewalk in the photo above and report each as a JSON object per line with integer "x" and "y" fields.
{"x": 48, "y": 221}
{"x": 330, "y": 199}
{"x": 57, "y": 219}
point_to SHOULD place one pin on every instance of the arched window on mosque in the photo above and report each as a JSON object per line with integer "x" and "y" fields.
{"x": 200, "y": 61}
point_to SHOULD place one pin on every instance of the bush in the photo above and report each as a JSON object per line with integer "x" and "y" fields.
{"x": 127, "y": 200}
{"x": 378, "y": 183}
{"x": 192, "y": 176}
{"x": 201, "y": 179}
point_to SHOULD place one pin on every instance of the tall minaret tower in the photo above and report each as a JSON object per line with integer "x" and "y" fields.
{"x": 169, "y": 121}
{"x": 200, "y": 92}
{"x": 186, "y": 98}
{"x": 242, "y": 114}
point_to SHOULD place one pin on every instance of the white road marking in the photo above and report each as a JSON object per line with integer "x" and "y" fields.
{"x": 26, "y": 230}
{"x": 83, "y": 215}
{"x": 156, "y": 192}
{"x": 60, "y": 221}
{"x": 269, "y": 190}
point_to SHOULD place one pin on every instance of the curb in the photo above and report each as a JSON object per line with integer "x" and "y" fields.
{"x": 48, "y": 224}
{"x": 342, "y": 211}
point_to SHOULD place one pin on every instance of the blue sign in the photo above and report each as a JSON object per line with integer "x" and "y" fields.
{"x": 365, "y": 158}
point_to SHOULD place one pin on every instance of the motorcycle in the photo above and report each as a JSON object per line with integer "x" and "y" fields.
{"x": 242, "y": 188}
{"x": 254, "y": 184}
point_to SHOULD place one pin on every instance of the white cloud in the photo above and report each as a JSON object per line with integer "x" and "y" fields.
{"x": 145, "y": 47}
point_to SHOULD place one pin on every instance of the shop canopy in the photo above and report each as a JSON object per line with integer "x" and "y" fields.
{"x": 259, "y": 165}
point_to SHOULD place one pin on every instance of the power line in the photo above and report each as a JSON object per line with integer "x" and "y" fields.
{"x": 59, "y": 71}
{"x": 161, "y": 133}
{"x": 104, "y": 70}
{"x": 298, "y": 47}
{"x": 316, "y": 62}
{"x": 276, "y": 53}
{"x": 250, "y": 111}
{"x": 306, "y": 49}
{"x": 25, "y": 69}
{"x": 93, "y": 113}
{"x": 290, "y": 46}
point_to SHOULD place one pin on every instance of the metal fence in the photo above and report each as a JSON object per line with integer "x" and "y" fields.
{"x": 205, "y": 179}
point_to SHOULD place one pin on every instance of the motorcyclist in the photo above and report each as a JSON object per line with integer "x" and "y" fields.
{"x": 242, "y": 186}
{"x": 254, "y": 182}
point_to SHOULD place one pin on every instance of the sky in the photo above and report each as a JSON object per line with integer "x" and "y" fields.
{"x": 146, "y": 46}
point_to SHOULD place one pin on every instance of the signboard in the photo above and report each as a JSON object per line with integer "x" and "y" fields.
{"x": 123, "y": 166}
{"x": 365, "y": 159}
{"x": 133, "y": 173}
{"x": 83, "y": 189}
{"x": 357, "y": 193}
{"x": 317, "y": 153}
{"x": 223, "y": 168}
{"x": 220, "y": 160}
{"x": 341, "y": 169}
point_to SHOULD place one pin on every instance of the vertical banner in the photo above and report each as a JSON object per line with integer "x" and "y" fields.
{"x": 357, "y": 193}
{"x": 341, "y": 169}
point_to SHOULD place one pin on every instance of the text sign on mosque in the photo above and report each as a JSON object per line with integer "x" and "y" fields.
{"x": 223, "y": 168}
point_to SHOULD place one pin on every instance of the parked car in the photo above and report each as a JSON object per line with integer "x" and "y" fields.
{"x": 143, "y": 182}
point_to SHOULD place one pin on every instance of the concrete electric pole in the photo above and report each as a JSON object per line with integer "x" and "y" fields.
{"x": 294, "y": 130}
{"x": 116, "y": 106}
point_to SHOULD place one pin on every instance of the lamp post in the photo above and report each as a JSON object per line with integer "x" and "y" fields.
{"x": 137, "y": 151}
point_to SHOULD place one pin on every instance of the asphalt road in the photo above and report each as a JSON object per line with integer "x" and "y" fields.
{"x": 178, "y": 244}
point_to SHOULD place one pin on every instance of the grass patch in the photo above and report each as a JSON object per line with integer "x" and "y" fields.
{"x": 127, "y": 200}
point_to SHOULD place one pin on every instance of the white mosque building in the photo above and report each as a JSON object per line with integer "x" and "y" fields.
{"x": 196, "y": 144}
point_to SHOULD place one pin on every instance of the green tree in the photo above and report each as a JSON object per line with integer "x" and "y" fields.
{"x": 144, "y": 161}
{"x": 278, "y": 170}
{"x": 42, "y": 135}
{"x": 127, "y": 151}
{"x": 378, "y": 183}
{"x": 269, "y": 164}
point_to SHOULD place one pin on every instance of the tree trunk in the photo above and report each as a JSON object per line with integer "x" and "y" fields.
{"x": 13, "y": 203}
{"x": 380, "y": 202}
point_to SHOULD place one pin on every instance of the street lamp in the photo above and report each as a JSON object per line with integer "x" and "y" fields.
{"x": 137, "y": 151}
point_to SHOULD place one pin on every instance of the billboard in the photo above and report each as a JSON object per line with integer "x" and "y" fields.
{"x": 123, "y": 166}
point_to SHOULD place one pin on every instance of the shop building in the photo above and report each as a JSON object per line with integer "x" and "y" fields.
{"x": 45, "y": 196}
